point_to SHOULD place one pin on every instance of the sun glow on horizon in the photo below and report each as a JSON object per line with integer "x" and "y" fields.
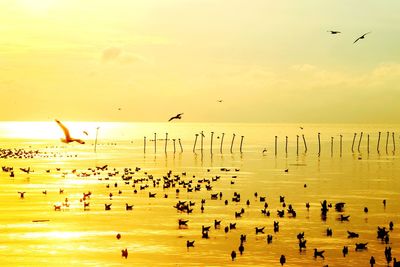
{"x": 44, "y": 130}
{"x": 41, "y": 6}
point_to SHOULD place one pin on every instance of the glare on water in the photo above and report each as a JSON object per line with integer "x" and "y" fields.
{"x": 150, "y": 231}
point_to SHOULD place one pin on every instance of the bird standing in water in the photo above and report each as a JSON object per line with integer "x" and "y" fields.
{"x": 282, "y": 260}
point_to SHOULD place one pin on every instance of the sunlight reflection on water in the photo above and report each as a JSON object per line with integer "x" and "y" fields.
{"x": 150, "y": 231}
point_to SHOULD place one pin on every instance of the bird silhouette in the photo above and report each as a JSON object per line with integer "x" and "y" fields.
{"x": 282, "y": 260}
{"x": 189, "y": 244}
{"x": 68, "y": 138}
{"x": 319, "y": 253}
{"x": 361, "y": 246}
{"x": 334, "y": 32}
{"x": 178, "y": 116}
{"x": 233, "y": 255}
{"x": 124, "y": 253}
{"x": 361, "y": 37}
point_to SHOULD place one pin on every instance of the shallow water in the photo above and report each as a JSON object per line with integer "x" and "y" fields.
{"x": 150, "y": 231}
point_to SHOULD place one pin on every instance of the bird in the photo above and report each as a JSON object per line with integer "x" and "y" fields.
{"x": 68, "y": 138}
{"x": 118, "y": 236}
{"x": 282, "y": 260}
{"x": 189, "y": 244}
{"x": 220, "y": 100}
{"x": 302, "y": 244}
{"x": 372, "y": 261}
{"x": 85, "y": 133}
{"x": 178, "y": 116}
{"x": 124, "y": 253}
{"x": 241, "y": 248}
{"x": 345, "y": 251}
{"x": 361, "y": 246}
{"x": 318, "y": 253}
{"x": 26, "y": 170}
{"x": 21, "y": 194}
{"x": 260, "y": 230}
{"x": 361, "y": 37}
{"x": 334, "y": 32}
{"x": 233, "y": 255}
{"x": 352, "y": 234}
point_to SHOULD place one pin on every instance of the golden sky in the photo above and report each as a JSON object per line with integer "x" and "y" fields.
{"x": 269, "y": 61}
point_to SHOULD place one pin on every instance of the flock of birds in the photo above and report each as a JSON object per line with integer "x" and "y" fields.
{"x": 356, "y": 40}
{"x": 136, "y": 182}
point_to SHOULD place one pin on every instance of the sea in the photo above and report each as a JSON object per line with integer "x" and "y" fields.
{"x": 254, "y": 169}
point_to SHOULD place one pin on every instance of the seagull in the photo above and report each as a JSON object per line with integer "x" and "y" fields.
{"x": 334, "y": 32}
{"x": 86, "y": 133}
{"x": 68, "y": 138}
{"x": 220, "y": 100}
{"x": 178, "y": 116}
{"x": 361, "y": 37}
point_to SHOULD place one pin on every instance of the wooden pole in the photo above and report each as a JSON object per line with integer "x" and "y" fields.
{"x": 331, "y": 146}
{"x": 359, "y": 142}
{"x": 211, "y": 147}
{"x": 155, "y": 143}
{"x": 305, "y": 143}
{"x": 286, "y": 144}
{"x": 173, "y": 140}
{"x": 276, "y": 145}
{"x": 201, "y": 140}
{"x": 233, "y": 138}
{"x": 387, "y": 142}
{"x": 352, "y": 145}
{"x": 368, "y": 143}
{"x": 180, "y": 144}
{"x": 319, "y": 144}
{"x": 379, "y": 140}
{"x": 394, "y": 143}
{"x": 241, "y": 143}
{"x": 341, "y": 145}
{"x": 195, "y": 141}
{"x": 297, "y": 145}
{"x": 144, "y": 144}
{"x": 166, "y": 140}
{"x": 222, "y": 141}
{"x": 95, "y": 141}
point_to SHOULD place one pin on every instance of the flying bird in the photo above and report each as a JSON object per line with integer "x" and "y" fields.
{"x": 334, "y": 32}
{"x": 361, "y": 37}
{"x": 178, "y": 116}
{"x": 220, "y": 100}
{"x": 68, "y": 138}
{"x": 86, "y": 133}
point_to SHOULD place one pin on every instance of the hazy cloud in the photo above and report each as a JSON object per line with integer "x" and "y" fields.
{"x": 111, "y": 54}
{"x": 114, "y": 54}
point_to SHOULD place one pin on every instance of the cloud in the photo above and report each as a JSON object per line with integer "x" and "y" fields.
{"x": 115, "y": 54}
{"x": 111, "y": 54}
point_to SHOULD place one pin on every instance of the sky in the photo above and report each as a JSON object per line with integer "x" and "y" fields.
{"x": 268, "y": 61}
